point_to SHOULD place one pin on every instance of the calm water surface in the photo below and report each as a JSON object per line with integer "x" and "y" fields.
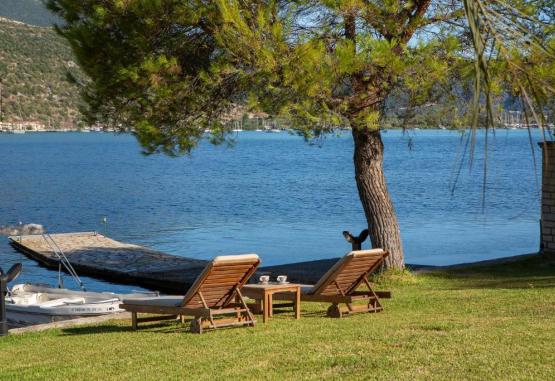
{"x": 271, "y": 194}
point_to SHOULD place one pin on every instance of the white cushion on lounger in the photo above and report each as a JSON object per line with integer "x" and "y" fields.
{"x": 166, "y": 301}
{"x": 237, "y": 257}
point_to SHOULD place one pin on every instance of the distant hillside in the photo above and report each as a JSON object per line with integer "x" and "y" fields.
{"x": 34, "y": 62}
{"x": 28, "y": 11}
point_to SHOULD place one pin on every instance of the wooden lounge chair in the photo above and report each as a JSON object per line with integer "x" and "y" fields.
{"x": 339, "y": 285}
{"x": 216, "y": 292}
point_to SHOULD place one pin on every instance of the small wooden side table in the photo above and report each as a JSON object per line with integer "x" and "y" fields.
{"x": 265, "y": 292}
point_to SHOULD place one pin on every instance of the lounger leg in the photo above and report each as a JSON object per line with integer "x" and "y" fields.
{"x": 248, "y": 313}
{"x": 374, "y": 305}
{"x": 334, "y": 311}
{"x": 196, "y": 325}
{"x": 134, "y": 322}
{"x": 297, "y": 306}
{"x": 270, "y": 305}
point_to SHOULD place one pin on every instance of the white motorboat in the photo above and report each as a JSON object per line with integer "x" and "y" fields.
{"x": 28, "y": 304}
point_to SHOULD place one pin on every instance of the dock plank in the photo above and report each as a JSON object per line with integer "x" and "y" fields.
{"x": 94, "y": 254}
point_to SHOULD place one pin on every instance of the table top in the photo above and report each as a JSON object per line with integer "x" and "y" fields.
{"x": 270, "y": 286}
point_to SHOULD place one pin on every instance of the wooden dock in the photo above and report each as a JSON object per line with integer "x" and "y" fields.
{"x": 98, "y": 256}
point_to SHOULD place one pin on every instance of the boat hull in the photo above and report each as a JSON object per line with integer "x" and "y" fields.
{"x": 29, "y": 304}
{"x": 29, "y": 316}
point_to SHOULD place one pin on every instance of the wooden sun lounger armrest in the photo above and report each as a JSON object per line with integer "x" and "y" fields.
{"x": 166, "y": 310}
{"x": 333, "y": 298}
{"x": 221, "y": 311}
{"x": 383, "y": 294}
{"x": 201, "y": 311}
{"x": 228, "y": 306}
{"x": 379, "y": 294}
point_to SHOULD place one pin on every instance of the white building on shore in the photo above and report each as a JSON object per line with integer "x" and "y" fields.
{"x": 22, "y": 125}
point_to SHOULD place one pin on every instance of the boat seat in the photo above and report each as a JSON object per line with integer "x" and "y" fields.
{"x": 28, "y": 298}
{"x": 62, "y": 302}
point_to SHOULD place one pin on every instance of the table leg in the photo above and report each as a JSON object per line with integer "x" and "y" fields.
{"x": 297, "y": 306}
{"x": 270, "y": 304}
{"x": 265, "y": 309}
{"x": 134, "y": 322}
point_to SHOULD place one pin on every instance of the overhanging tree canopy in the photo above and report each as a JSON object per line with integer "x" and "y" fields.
{"x": 171, "y": 69}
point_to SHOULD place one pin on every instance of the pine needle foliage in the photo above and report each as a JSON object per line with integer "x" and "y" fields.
{"x": 171, "y": 69}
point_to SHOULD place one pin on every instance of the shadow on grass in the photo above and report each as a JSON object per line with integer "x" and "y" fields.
{"x": 174, "y": 326}
{"x": 160, "y": 327}
{"x": 533, "y": 271}
{"x": 87, "y": 330}
{"x": 288, "y": 314}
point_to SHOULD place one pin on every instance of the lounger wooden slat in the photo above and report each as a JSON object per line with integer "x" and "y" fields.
{"x": 354, "y": 268}
{"x": 219, "y": 281}
{"x": 357, "y": 265}
{"x": 341, "y": 283}
{"x": 349, "y": 278}
{"x": 216, "y": 289}
{"x": 215, "y": 293}
{"x": 213, "y": 289}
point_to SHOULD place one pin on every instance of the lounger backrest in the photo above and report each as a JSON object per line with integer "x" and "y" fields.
{"x": 217, "y": 282}
{"x": 348, "y": 272}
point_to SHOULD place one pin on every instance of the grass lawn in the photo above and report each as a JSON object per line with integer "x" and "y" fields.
{"x": 480, "y": 322}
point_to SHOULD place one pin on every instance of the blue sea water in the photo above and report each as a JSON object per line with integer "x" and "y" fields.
{"x": 272, "y": 194}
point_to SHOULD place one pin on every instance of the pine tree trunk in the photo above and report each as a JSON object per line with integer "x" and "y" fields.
{"x": 372, "y": 189}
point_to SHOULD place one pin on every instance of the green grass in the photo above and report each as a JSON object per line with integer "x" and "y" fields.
{"x": 480, "y": 322}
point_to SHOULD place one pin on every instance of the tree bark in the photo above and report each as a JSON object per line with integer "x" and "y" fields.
{"x": 383, "y": 227}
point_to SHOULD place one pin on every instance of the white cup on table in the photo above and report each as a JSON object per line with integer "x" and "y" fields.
{"x": 282, "y": 278}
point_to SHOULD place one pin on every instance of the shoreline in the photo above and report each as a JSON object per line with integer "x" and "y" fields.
{"x": 495, "y": 261}
{"x": 110, "y": 130}
{"x": 98, "y": 256}
{"x": 311, "y": 271}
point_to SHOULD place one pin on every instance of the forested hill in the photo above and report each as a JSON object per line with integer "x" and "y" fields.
{"x": 34, "y": 62}
{"x": 31, "y": 12}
